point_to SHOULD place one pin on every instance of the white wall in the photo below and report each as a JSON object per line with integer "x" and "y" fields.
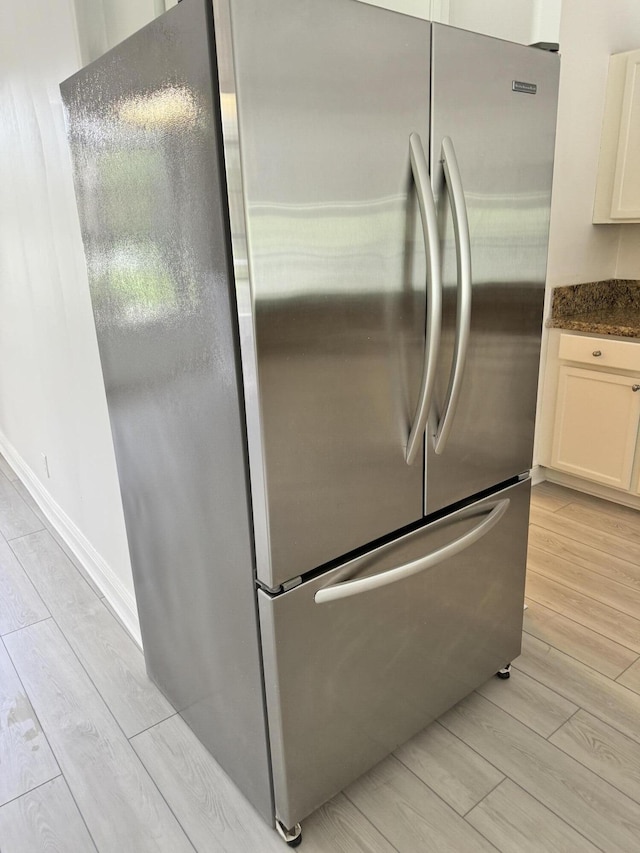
{"x": 52, "y": 397}
{"x": 628, "y": 263}
{"x": 501, "y": 18}
{"x": 430, "y": 10}
{"x": 590, "y": 30}
{"x": 545, "y": 21}
{"x": 526, "y": 21}
{"x": 104, "y": 23}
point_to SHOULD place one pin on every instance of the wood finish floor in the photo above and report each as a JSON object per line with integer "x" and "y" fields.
{"x": 92, "y": 757}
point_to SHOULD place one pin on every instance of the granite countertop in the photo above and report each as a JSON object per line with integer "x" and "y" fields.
{"x": 598, "y": 307}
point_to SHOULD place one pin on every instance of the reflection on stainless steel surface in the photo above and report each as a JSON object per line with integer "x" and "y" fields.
{"x": 143, "y": 138}
{"x": 504, "y": 145}
{"x": 337, "y": 268}
{"x": 387, "y": 662}
{"x": 170, "y": 106}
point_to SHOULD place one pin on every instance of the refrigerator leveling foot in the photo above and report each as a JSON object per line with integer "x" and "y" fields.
{"x": 505, "y": 672}
{"x": 292, "y": 836}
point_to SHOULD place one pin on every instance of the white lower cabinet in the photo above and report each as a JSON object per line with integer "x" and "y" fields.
{"x": 597, "y": 423}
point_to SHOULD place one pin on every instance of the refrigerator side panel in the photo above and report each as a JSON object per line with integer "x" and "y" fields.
{"x": 326, "y": 95}
{"x": 144, "y": 129}
{"x": 350, "y": 679}
{"x": 496, "y": 102}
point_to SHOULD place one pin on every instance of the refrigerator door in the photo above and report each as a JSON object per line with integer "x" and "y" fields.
{"x": 353, "y": 671}
{"x": 334, "y": 337}
{"x": 493, "y": 130}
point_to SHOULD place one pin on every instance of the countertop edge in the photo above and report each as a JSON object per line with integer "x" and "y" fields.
{"x": 592, "y": 327}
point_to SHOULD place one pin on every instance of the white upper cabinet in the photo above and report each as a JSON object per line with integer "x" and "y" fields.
{"x": 618, "y": 187}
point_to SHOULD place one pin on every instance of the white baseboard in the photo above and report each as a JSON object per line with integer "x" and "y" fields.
{"x": 595, "y": 489}
{"x": 96, "y": 567}
{"x": 538, "y": 475}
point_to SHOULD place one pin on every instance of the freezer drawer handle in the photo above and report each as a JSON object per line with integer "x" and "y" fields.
{"x": 355, "y": 587}
{"x": 455, "y": 192}
{"x": 428, "y": 216}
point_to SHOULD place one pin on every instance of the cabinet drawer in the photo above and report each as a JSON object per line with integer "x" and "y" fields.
{"x": 600, "y": 352}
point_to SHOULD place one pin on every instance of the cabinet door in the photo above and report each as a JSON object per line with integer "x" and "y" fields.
{"x": 625, "y": 203}
{"x": 617, "y": 197}
{"x": 596, "y": 426}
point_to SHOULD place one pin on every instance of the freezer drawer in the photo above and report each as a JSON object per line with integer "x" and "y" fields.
{"x": 351, "y": 677}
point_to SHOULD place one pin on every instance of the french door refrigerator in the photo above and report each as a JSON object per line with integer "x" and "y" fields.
{"x": 316, "y": 235}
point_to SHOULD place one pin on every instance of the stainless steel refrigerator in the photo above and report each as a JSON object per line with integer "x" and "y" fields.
{"x": 316, "y": 237}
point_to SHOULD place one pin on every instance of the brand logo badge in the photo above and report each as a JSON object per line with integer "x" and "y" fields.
{"x": 525, "y": 88}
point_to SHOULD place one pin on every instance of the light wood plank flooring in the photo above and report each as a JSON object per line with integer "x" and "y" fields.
{"x": 92, "y": 757}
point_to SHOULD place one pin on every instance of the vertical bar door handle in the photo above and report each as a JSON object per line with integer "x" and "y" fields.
{"x": 458, "y": 205}
{"x": 428, "y": 216}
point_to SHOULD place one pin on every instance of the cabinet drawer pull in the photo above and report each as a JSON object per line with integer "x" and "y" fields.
{"x": 635, "y": 387}
{"x": 597, "y": 353}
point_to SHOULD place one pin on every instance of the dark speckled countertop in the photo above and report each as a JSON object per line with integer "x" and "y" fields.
{"x": 598, "y": 307}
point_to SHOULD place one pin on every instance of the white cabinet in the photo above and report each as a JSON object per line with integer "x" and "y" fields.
{"x": 596, "y": 433}
{"x": 596, "y": 425}
{"x": 617, "y": 196}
